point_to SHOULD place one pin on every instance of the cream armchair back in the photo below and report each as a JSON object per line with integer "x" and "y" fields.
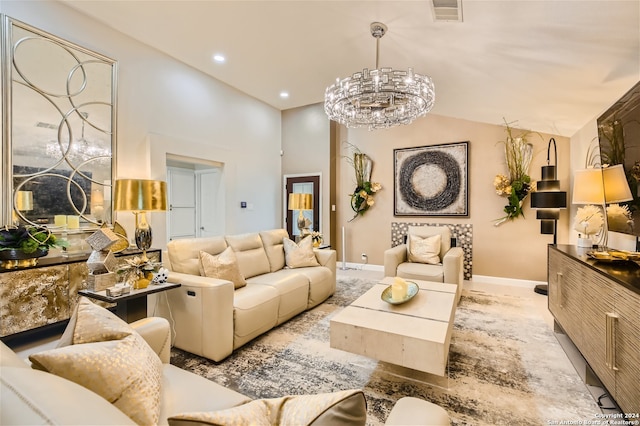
{"x": 423, "y": 257}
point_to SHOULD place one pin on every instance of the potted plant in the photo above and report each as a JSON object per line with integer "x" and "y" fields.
{"x": 22, "y": 245}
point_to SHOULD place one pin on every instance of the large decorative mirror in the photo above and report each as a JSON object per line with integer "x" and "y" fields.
{"x": 59, "y": 121}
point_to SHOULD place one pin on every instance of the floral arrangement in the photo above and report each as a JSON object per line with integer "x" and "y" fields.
{"x": 588, "y": 220}
{"x": 316, "y": 237}
{"x": 28, "y": 239}
{"x": 137, "y": 269}
{"x": 362, "y": 197}
{"x": 517, "y": 185}
{"x": 619, "y": 218}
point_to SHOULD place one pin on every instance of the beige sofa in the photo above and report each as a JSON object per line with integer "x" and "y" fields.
{"x": 211, "y": 318}
{"x": 31, "y": 396}
{"x": 447, "y": 269}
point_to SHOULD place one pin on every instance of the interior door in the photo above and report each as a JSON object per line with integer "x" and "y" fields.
{"x": 182, "y": 203}
{"x": 303, "y": 185}
{"x": 209, "y": 221}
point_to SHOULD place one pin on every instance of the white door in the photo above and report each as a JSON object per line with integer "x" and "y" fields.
{"x": 182, "y": 203}
{"x": 209, "y": 220}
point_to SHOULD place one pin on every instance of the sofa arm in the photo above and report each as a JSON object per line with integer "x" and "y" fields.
{"x": 155, "y": 331}
{"x": 393, "y": 257}
{"x": 201, "y": 313}
{"x": 452, "y": 265}
{"x": 326, "y": 257}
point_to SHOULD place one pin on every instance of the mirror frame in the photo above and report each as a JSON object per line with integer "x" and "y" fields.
{"x": 9, "y": 73}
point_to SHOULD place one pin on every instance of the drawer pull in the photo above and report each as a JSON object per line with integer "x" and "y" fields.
{"x": 610, "y": 349}
{"x": 191, "y": 293}
{"x": 559, "y": 285}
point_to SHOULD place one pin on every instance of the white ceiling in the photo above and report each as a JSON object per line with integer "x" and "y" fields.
{"x": 548, "y": 65}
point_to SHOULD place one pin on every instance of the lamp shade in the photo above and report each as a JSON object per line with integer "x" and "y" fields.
{"x": 616, "y": 187}
{"x": 140, "y": 195}
{"x": 300, "y": 201}
{"x": 601, "y": 186}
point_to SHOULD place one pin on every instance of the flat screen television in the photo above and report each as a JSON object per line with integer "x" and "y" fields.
{"x": 619, "y": 141}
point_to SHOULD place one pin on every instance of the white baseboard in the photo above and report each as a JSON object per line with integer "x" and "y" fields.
{"x": 506, "y": 281}
{"x": 360, "y": 266}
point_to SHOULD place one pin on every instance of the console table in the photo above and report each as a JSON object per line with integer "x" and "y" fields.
{"x": 597, "y": 305}
{"x": 45, "y": 295}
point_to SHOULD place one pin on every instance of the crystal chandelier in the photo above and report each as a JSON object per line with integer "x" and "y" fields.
{"x": 379, "y": 98}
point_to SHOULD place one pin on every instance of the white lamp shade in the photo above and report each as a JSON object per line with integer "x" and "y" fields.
{"x": 601, "y": 186}
{"x": 616, "y": 187}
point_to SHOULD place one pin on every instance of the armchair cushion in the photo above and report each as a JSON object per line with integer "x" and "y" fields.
{"x": 428, "y": 231}
{"x": 110, "y": 358}
{"x": 301, "y": 254}
{"x": 223, "y": 266}
{"x": 424, "y": 249}
{"x": 335, "y": 409}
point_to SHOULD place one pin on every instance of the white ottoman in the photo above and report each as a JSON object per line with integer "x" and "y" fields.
{"x": 415, "y": 411}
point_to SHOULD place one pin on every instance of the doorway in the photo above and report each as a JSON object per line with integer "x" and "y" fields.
{"x": 195, "y": 196}
{"x": 302, "y": 184}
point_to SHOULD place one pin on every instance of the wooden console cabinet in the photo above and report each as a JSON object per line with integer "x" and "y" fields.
{"x": 598, "y": 306}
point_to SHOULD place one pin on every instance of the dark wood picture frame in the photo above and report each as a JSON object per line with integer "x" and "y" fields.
{"x": 431, "y": 180}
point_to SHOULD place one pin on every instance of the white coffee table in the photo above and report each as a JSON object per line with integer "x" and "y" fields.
{"x": 415, "y": 334}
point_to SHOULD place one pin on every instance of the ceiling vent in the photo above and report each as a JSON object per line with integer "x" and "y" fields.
{"x": 446, "y": 10}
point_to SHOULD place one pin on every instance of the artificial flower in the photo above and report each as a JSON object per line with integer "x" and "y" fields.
{"x": 588, "y": 220}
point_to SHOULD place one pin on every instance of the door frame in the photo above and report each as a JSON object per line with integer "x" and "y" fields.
{"x": 317, "y": 205}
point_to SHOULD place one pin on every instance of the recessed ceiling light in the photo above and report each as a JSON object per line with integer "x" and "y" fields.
{"x": 219, "y": 58}
{"x": 284, "y": 95}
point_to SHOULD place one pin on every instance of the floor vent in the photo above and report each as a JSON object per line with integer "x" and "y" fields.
{"x": 447, "y": 10}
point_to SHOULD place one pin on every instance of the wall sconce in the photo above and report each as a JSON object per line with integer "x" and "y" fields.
{"x": 141, "y": 196}
{"x": 301, "y": 202}
{"x": 601, "y": 186}
{"x": 548, "y": 200}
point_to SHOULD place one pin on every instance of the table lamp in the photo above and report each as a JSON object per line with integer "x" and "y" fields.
{"x": 141, "y": 196}
{"x": 301, "y": 202}
{"x": 601, "y": 186}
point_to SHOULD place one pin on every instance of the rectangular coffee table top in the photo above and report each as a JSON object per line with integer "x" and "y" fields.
{"x": 415, "y": 334}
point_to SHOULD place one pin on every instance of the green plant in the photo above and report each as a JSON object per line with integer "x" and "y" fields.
{"x": 28, "y": 238}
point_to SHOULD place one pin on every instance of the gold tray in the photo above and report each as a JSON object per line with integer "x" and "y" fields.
{"x": 412, "y": 290}
{"x": 614, "y": 256}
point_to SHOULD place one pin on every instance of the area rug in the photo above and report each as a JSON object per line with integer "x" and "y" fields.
{"x": 505, "y": 365}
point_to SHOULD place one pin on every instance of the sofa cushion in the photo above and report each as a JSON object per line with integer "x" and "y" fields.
{"x": 250, "y": 252}
{"x": 111, "y": 359}
{"x": 273, "y": 246}
{"x": 32, "y": 397}
{"x": 183, "y": 391}
{"x": 428, "y": 231}
{"x": 301, "y": 254}
{"x": 337, "y": 408}
{"x": 223, "y": 266}
{"x": 255, "y": 310}
{"x": 292, "y": 287}
{"x": 184, "y": 253}
{"x": 424, "y": 249}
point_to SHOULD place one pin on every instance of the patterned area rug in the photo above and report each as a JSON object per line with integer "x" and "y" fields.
{"x": 505, "y": 365}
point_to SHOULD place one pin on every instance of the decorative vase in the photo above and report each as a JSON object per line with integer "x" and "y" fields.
{"x": 317, "y": 242}
{"x": 16, "y": 258}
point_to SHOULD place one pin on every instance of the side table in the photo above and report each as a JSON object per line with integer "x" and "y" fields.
{"x": 133, "y": 306}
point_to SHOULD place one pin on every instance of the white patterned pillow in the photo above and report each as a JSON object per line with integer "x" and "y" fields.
{"x": 301, "y": 254}
{"x": 110, "y": 358}
{"x": 425, "y": 249}
{"x": 223, "y": 266}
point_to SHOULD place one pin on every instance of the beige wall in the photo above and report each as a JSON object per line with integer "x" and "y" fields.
{"x": 305, "y": 150}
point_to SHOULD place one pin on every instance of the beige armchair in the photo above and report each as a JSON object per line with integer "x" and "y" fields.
{"x": 415, "y": 260}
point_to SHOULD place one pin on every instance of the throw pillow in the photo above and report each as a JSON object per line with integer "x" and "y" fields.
{"x": 336, "y": 408}
{"x": 301, "y": 254}
{"x": 110, "y": 358}
{"x": 424, "y": 249}
{"x": 223, "y": 266}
